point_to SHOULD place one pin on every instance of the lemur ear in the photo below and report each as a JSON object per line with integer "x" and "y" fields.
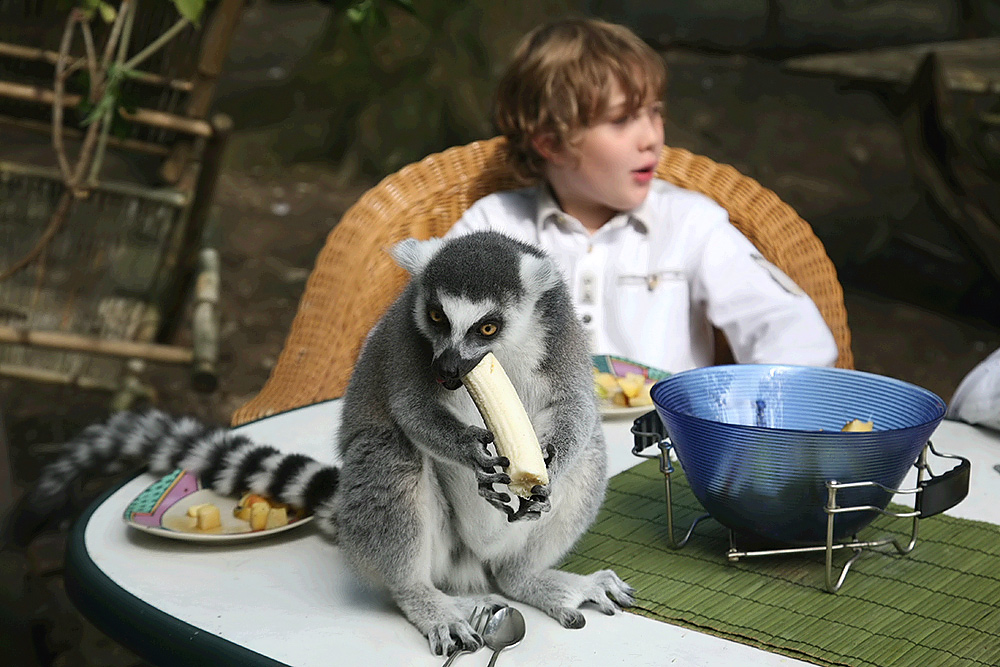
{"x": 539, "y": 274}
{"x": 413, "y": 255}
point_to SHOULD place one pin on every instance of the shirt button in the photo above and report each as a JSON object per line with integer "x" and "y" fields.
{"x": 586, "y": 319}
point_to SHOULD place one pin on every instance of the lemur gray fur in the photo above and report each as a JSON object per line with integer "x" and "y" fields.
{"x": 412, "y": 502}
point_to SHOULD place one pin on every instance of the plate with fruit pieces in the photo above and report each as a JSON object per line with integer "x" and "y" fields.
{"x": 178, "y": 507}
{"x": 623, "y": 385}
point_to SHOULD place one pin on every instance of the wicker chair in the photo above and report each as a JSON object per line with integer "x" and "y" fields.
{"x": 355, "y": 280}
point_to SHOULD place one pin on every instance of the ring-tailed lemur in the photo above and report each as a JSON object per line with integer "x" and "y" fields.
{"x": 410, "y": 504}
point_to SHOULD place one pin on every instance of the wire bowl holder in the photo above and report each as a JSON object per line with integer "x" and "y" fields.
{"x": 932, "y": 495}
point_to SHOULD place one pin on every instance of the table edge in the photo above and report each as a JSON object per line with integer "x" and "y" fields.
{"x": 128, "y": 620}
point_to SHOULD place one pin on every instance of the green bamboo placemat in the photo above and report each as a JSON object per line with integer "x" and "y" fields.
{"x": 936, "y": 606}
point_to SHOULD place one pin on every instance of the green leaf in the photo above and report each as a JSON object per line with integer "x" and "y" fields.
{"x": 190, "y": 9}
{"x": 359, "y": 12}
{"x": 99, "y": 110}
{"x": 108, "y": 13}
{"x": 128, "y": 73}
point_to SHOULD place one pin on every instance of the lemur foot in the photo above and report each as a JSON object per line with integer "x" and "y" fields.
{"x": 459, "y": 635}
{"x": 560, "y": 594}
{"x": 604, "y": 589}
{"x": 456, "y": 635}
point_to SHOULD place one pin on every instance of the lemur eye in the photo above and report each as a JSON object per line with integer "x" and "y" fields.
{"x": 435, "y": 315}
{"x": 488, "y": 329}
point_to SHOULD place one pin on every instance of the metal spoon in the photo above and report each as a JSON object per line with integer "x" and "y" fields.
{"x": 504, "y": 629}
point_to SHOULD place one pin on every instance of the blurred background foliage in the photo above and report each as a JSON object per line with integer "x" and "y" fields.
{"x": 374, "y": 97}
{"x": 386, "y": 82}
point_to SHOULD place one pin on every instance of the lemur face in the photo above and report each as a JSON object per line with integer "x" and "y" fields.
{"x": 461, "y": 332}
{"x": 476, "y": 294}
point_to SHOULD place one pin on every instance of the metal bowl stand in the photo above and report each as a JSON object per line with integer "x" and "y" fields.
{"x": 932, "y": 495}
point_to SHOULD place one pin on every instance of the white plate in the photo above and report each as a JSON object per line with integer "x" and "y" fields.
{"x": 629, "y": 412}
{"x": 161, "y": 509}
{"x": 620, "y": 367}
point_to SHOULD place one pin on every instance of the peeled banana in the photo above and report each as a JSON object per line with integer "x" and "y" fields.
{"x": 857, "y": 425}
{"x": 504, "y": 415}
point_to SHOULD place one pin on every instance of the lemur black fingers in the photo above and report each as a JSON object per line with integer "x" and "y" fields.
{"x": 485, "y": 477}
{"x": 550, "y": 453}
{"x": 502, "y": 506}
{"x": 495, "y": 497}
{"x": 538, "y": 502}
{"x": 488, "y": 462}
{"x": 477, "y": 434}
{"x": 530, "y": 509}
{"x": 540, "y": 491}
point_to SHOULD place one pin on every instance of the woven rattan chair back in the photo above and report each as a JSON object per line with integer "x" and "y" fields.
{"x": 355, "y": 280}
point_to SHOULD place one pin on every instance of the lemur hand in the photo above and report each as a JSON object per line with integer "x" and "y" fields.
{"x": 532, "y": 508}
{"x": 475, "y": 441}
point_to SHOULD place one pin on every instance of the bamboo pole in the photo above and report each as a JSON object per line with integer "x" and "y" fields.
{"x": 51, "y": 57}
{"x": 214, "y": 48}
{"x": 205, "y": 323}
{"x": 54, "y": 377}
{"x": 168, "y": 354}
{"x": 158, "y": 119}
{"x": 168, "y": 196}
{"x": 40, "y": 127}
{"x": 196, "y": 224}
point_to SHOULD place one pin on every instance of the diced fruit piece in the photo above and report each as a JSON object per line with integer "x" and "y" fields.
{"x": 208, "y": 517}
{"x": 258, "y": 515}
{"x": 193, "y": 510}
{"x": 857, "y": 425}
{"x": 276, "y": 517}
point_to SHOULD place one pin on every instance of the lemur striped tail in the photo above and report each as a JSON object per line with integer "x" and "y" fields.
{"x": 228, "y": 463}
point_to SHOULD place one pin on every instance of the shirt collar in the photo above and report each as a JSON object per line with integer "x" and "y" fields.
{"x": 548, "y": 210}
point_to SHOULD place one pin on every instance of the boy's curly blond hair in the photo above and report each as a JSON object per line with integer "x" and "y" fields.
{"x": 559, "y": 82}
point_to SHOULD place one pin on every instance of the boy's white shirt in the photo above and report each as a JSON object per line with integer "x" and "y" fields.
{"x": 651, "y": 282}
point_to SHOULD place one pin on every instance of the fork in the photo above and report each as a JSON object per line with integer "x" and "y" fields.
{"x": 478, "y": 619}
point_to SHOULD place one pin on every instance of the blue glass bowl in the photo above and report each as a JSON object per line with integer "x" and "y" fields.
{"x": 759, "y": 442}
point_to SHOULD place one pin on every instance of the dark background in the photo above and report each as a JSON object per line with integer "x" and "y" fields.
{"x": 322, "y": 113}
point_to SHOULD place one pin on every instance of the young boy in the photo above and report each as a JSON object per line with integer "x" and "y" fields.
{"x": 652, "y": 267}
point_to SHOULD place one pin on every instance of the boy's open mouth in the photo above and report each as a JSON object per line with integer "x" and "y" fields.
{"x": 644, "y": 173}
